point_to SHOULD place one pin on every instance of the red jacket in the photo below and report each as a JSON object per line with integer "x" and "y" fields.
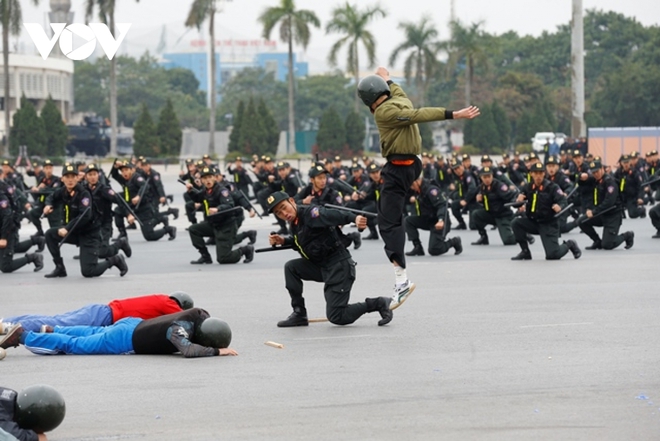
{"x": 145, "y": 307}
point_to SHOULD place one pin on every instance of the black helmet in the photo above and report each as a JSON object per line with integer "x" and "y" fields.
{"x": 213, "y": 333}
{"x": 183, "y": 299}
{"x": 40, "y": 408}
{"x": 371, "y": 88}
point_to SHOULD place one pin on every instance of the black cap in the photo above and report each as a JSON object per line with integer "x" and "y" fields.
{"x": 206, "y": 157}
{"x": 6, "y": 162}
{"x": 455, "y": 163}
{"x": 267, "y": 158}
{"x": 126, "y": 164}
{"x": 465, "y": 156}
{"x": 516, "y": 153}
{"x": 537, "y": 167}
{"x": 485, "y": 158}
{"x": 91, "y": 167}
{"x": 576, "y": 153}
{"x": 337, "y": 158}
{"x": 47, "y": 162}
{"x": 651, "y": 153}
{"x": 634, "y": 154}
{"x": 207, "y": 171}
{"x": 439, "y": 158}
{"x": 190, "y": 161}
{"x": 373, "y": 168}
{"x": 200, "y": 163}
{"x": 144, "y": 160}
{"x": 552, "y": 160}
{"x": 486, "y": 171}
{"x": 595, "y": 165}
{"x": 355, "y": 166}
{"x": 624, "y": 158}
{"x": 69, "y": 170}
{"x": 316, "y": 170}
{"x": 505, "y": 156}
{"x": 533, "y": 156}
{"x": 275, "y": 198}
{"x": 282, "y": 164}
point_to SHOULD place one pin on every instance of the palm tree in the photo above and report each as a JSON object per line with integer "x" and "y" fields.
{"x": 11, "y": 19}
{"x": 351, "y": 22}
{"x": 294, "y": 26}
{"x": 420, "y": 39}
{"x": 468, "y": 44}
{"x": 200, "y": 11}
{"x": 106, "y": 13}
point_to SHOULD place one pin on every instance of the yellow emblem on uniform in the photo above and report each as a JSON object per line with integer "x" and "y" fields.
{"x": 270, "y": 199}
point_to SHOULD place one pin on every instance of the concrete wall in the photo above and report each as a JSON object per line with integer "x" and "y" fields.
{"x": 612, "y": 142}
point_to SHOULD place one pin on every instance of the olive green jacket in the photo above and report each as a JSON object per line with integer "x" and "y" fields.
{"x": 397, "y": 123}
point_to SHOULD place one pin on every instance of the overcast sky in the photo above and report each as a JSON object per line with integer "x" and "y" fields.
{"x": 238, "y": 20}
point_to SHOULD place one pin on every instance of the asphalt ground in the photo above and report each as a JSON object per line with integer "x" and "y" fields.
{"x": 484, "y": 349}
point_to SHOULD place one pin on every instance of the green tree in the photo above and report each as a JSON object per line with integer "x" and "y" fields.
{"x": 469, "y": 45}
{"x": 271, "y": 132}
{"x": 502, "y": 125}
{"x": 145, "y": 136}
{"x": 317, "y": 93}
{"x": 200, "y": 11}
{"x": 355, "y": 131}
{"x": 421, "y": 62}
{"x": 484, "y": 131}
{"x": 352, "y": 23}
{"x": 55, "y": 130}
{"x": 169, "y": 131}
{"x": 331, "y": 136}
{"x": 27, "y": 129}
{"x": 11, "y": 19}
{"x": 251, "y": 139}
{"x": 294, "y": 26}
{"x": 184, "y": 81}
{"x": 237, "y": 128}
{"x": 426, "y": 132}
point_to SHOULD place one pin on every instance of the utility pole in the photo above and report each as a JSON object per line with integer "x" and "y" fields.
{"x": 578, "y": 127}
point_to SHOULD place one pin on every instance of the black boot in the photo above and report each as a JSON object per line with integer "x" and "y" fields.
{"x": 39, "y": 241}
{"x": 418, "y": 250}
{"x": 122, "y": 233}
{"x": 297, "y": 318}
{"x": 457, "y": 244}
{"x": 252, "y": 235}
{"x": 172, "y": 232}
{"x": 174, "y": 212}
{"x": 483, "y": 238}
{"x": 530, "y": 239}
{"x": 373, "y": 235}
{"x": 132, "y": 226}
{"x": 461, "y": 226}
{"x": 210, "y": 241}
{"x": 205, "y": 258}
{"x": 357, "y": 240}
{"x": 574, "y": 248}
{"x": 525, "y": 254}
{"x": 37, "y": 259}
{"x": 597, "y": 245}
{"x": 656, "y": 235}
{"x": 123, "y": 245}
{"x": 382, "y": 305}
{"x": 248, "y": 252}
{"x": 59, "y": 270}
{"x": 629, "y": 237}
{"x": 119, "y": 261}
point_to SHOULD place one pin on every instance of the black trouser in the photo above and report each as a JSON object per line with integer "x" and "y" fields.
{"x": 437, "y": 243}
{"x": 654, "y": 214}
{"x": 106, "y": 249}
{"x": 501, "y": 221}
{"x": 457, "y": 211}
{"x": 611, "y": 224}
{"x": 7, "y": 262}
{"x": 634, "y": 210}
{"x": 34, "y": 216}
{"x": 371, "y": 207}
{"x": 224, "y": 240}
{"x": 148, "y": 222}
{"x": 262, "y": 197}
{"x": 338, "y": 279}
{"x": 397, "y": 180}
{"x": 549, "y": 232}
{"x": 89, "y": 243}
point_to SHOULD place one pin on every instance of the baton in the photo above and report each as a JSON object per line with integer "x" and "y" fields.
{"x": 585, "y": 219}
{"x": 346, "y": 184}
{"x": 559, "y": 214}
{"x": 568, "y": 196}
{"x": 251, "y": 206}
{"x": 515, "y": 204}
{"x": 278, "y": 248}
{"x": 652, "y": 181}
{"x": 130, "y": 211}
{"x": 74, "y": 226}
{"x": 352, "y": 210}
{"x": 143, "y": 190}
{"x": 210, "y": 216}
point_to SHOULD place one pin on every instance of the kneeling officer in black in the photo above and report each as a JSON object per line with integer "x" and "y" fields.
{"x": 324, "y": 259}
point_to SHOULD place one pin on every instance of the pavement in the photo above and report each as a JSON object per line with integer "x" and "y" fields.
{"x": 485, "y": 348}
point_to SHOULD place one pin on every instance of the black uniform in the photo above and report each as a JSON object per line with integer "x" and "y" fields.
{"x": 7, "y": 416}
{"x": 605, "y": 197}
{"x": 323, "y": 259}
{"x": 290, "y": 186}
{"x": 34, "y": 215}
{"x": 103, "y": 197}
{"x": 465, "y": 190}
{"x": 567, "y": 186}
{"x": 430, "y": 208}
{"x": 493, "y": 211}
{"x": 630, "y": 191}
{"x": 9, "y": 226}
{"x": 442, "y": 176}
{"x": 540, "y": 219}
{"x": 242, "y": 179}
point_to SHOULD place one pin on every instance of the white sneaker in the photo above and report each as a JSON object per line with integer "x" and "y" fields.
{"x": 5, "y": 327}
{"x": 401, "y": 293}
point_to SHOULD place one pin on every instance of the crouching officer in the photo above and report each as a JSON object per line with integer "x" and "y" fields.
{"x": 323, "y": 259}
{"x": 27, "y": 414}
{"x": 216, "y": 198}
{"x": 431, "y": 215}
{"x": 603, "y": 210}
{"x": 493, "y": 194}
{"x": 81, "y": 228}
{"x": 544, "y": 199}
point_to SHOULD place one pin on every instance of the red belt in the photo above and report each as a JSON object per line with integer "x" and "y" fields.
{"x": 403, "y": 161}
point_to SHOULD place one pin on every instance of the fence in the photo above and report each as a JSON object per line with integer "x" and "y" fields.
{"x": 611, "y": 143}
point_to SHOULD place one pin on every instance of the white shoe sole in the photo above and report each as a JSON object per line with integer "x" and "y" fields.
{"x": 393, "y": 306}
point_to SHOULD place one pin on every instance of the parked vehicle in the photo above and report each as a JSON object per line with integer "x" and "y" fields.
{"x": 89, "y": 138}
{"x": 539, "y": 140}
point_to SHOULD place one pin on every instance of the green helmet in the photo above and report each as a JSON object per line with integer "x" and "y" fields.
{"x": 371, "y": 88}
{"x": 213, "y": 333}
{"x": 40, "y": 408}
{"x": 183, "y": 299}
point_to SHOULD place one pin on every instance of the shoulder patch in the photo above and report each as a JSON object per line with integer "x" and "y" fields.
{"x": 85, "y": 202}
{"x": 434, "y": 191}
{"x": 338, "y": 199}
{"x": 156, "y": 177}
{"x": 225, "y": 192}
{"x": 559, "y": 192}
{"x": 10, "y": 190}
{"x": 4, "y": 203}
{"x": 504, "y": 187}
{"x": 610, "y": 189}
{"x": 140, "y": 179}
{"x": 330, "y": 180}
{"x": 468, "y": 179}
{"x": 315, "y": 212}
{"x": 111, "y": 192}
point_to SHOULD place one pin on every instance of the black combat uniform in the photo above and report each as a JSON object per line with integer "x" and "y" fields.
{"x": 290, "y": 185}
{"x": 221, "y": 226}
{"x": 9, "y": 226}
{"x": 631, "y": 190}
{"x": 567, "y": 186}
{"x": 323, "y": 259}
{"x": 493, "y": 211}
{"x": 242, "y": 179}
{"x": 50, "y": 184}
{"x": 540, "y": 219}
{"x": 430, "y": 208}
{"x": 605, "y": 205}
{"x": 465, "y": 189}
{"x": 83, "y": 229}
{"x": 442, "y": 176}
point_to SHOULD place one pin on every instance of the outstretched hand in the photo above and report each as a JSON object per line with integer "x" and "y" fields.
{"x": 467, "y": 113}
{"x": 383, "y": 73}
